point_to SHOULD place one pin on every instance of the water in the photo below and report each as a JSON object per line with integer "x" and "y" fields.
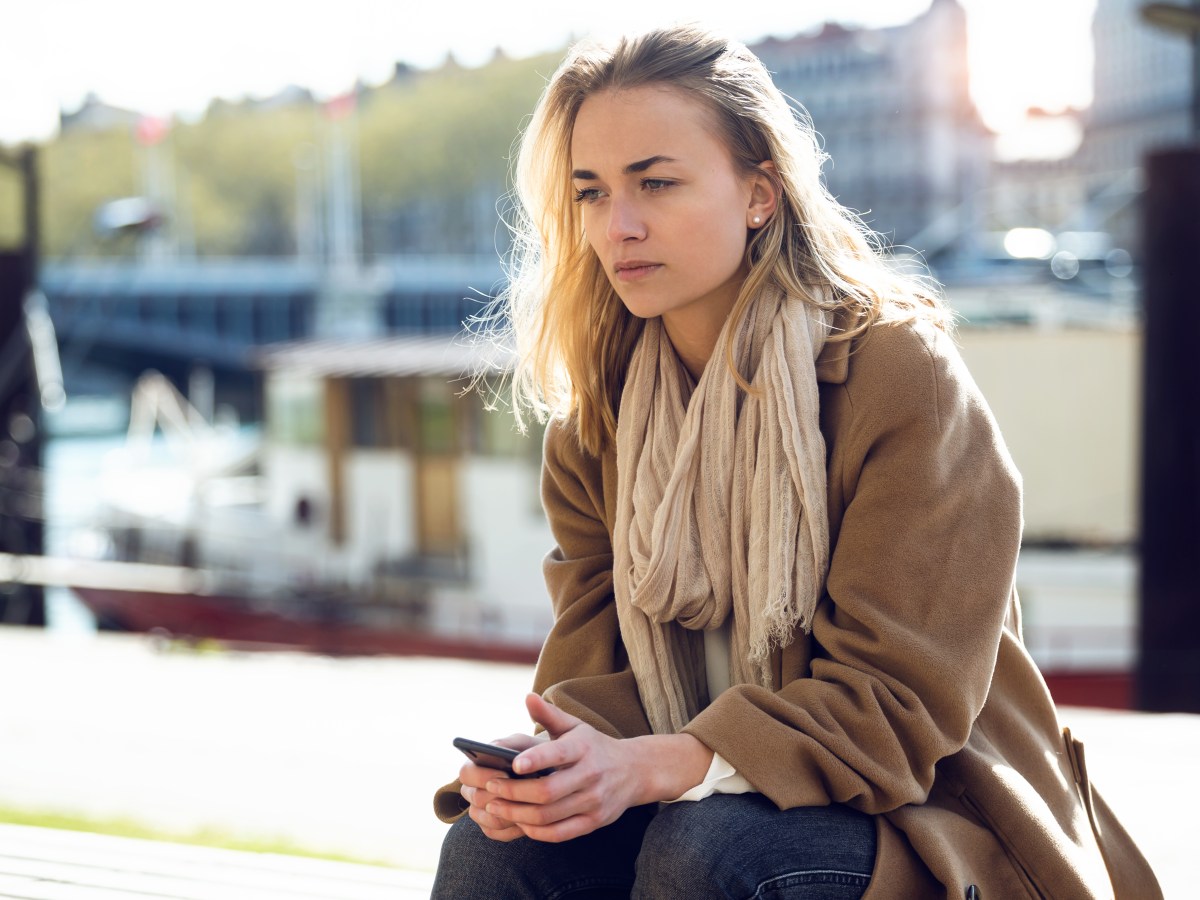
{"x": 73, "y": 459}
{"x": 80, "y": 439}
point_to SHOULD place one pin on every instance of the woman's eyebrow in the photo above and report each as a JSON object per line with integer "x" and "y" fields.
{"x": 643, "y": 164}
{"x": 632, "y": 169}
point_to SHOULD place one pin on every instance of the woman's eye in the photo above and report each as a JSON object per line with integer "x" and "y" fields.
{"x": 655, "y": 184}
{"x": 587, "y": 195}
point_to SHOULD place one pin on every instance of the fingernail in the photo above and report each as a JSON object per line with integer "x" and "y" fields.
{"x": 492, "y": 788}
{"x": 468, "y": 792}
{"x": 520, "y": 765}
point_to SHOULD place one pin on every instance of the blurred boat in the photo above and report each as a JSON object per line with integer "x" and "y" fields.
{"x": 380, "y": 510}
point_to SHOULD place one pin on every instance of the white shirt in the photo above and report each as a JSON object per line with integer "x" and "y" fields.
{"x": 722, "y": 777}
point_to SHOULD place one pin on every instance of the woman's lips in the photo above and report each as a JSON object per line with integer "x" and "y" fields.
{"x": 636, "y": 271}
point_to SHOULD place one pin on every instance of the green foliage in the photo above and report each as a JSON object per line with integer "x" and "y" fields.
{"x": 443, "y": 134}
{"x": 11, "y": 229}
{"x": 240, "y": 177}
{"x": 433, "y": 148}
{"x": 79, "y": 172}
{"x": 206, "y": 837}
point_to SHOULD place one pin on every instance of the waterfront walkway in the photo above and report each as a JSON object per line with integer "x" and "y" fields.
{"x": 340, "y": 757}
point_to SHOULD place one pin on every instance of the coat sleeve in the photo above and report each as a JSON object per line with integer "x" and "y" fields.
{"x": 921, "y": 576}
{"x": 583, "y": 668}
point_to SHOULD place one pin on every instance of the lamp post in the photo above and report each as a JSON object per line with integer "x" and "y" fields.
{"x": 1168, "y": 668}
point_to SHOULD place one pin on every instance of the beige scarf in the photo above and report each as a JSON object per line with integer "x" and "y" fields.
{"x": 720, "y": 504}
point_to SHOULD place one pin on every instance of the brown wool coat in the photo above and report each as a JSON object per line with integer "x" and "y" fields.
{"x": 913, "y": 698}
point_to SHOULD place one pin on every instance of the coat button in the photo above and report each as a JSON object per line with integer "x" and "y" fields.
{"x": 973, "y": 893}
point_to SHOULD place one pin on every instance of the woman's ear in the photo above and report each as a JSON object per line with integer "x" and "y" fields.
{"x": 764, "y": 194}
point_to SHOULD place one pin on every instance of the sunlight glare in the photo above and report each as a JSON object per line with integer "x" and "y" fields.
{"x": 1029, "y": 243}
{"x": 1029, "y": 53}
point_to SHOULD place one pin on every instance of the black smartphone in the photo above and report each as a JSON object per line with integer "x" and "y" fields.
{"x": 494, "y": 757}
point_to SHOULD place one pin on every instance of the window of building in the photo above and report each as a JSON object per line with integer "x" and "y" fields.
{"x": 368, "y": 420}
{"x": 436, "y": 417}
{"x": 295, "y": 409}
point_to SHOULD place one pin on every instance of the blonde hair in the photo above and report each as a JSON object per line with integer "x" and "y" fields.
{"x": 572, "y": 335}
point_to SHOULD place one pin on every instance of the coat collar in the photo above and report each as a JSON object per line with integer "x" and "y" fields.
{"x": 833, "y": 364}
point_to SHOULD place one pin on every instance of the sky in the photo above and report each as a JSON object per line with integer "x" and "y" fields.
{"x": 165, "y": 57}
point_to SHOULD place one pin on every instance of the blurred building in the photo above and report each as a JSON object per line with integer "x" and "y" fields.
{"x": 1035, "y": 193}
{"x": 96, "y": 115}
{"x": 1142, "y": 101}
{"x": 910, "y": 151}
{"x": 1142, "y": 96}
{"x": 1036, "y": 182}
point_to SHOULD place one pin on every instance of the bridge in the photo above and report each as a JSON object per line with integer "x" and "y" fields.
{"x": 213, "y": 312}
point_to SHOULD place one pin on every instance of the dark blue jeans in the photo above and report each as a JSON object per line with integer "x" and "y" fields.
{"x": 725, "y": 846}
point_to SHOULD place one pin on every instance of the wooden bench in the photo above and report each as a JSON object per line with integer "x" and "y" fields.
{"x": 46, "y": 864}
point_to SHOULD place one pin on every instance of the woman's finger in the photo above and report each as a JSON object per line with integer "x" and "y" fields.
{"x": 503, "y": 834}
{"x": 577, "y": 803}
{"x": 569, "y": 777}
{"x": 549, "y": 716}
{"x": 563, "y": 830}
{"x": 519, "y": 741}
{"x": 478, "y": 776}
{"x": 489, "y": 821}
{"x": 477, "y": 798}
{"x": 560, "y": 753}
{"x": 565, "y": 750}
{"x": 495, "y": 827}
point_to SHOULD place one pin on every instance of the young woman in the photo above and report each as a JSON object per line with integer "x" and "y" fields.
{"x": 786, "y": 658}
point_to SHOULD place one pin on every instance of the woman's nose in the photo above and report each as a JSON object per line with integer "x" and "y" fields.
{"x": 624, "y": 221}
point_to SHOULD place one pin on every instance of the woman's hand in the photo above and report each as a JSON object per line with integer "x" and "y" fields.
{"x": 596, "y": 778}
{"x": 474, "y": 778}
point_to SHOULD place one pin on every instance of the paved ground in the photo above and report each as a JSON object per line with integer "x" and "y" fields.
{"x": 343, "y": 755}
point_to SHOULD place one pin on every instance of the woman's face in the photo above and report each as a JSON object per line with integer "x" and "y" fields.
{"x": 664, "y": 208}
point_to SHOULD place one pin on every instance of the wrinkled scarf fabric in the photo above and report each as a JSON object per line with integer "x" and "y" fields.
{"x": 721, "y": 510}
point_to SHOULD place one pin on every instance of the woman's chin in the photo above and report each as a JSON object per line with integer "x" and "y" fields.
{"x": 640, "y": 307}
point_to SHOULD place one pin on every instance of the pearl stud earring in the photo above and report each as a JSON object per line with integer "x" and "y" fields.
{"x": 758, "y": 220}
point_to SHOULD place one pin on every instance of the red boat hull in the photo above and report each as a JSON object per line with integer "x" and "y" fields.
{"x": 232, "y": 621}
{"x": 1101, "y": 689}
